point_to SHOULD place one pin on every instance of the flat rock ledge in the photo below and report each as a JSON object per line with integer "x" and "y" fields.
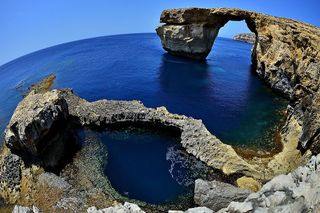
{"x": 217, "y": 195}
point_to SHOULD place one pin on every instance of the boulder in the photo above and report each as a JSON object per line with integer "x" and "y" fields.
{"x": 296, "y": 192}
{"x": 248, "y": 183}
{"x": 53, "y": 181}
{"x": 217, "y": 195}
{"x": 23, "y": 209}
{"x": 125, "y": 208}
{"x": 38, "y": 128}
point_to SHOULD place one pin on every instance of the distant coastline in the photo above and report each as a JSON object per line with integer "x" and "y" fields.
{"x": 245, "y": 37}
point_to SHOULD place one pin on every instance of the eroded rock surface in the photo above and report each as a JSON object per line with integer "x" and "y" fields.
{"x": 296, "y": 192}
{"x": 23, "y": 209}
{"x": 286, "y": 52}
{"x": 286, "y": 56}
{"x": 37, "y": 129}
{"x": 217, "y": 195}
{"x": 10, "y": 176}
{"x": 192, "y": 41}
{"x": 123, "y": 208}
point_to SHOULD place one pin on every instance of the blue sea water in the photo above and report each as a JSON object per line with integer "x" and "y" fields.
{"x": 224, "y": 92}
{"x": 232, "y": 102}
{"x": 148, "y": 165}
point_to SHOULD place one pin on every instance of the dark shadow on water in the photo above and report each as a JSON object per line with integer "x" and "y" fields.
{"x": 177, "y": 75}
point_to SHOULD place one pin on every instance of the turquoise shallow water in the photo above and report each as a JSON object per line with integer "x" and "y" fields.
{"x": 232, "y": 102}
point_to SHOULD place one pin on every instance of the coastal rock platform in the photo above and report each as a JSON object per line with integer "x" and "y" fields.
{"x": 77, "y": 112}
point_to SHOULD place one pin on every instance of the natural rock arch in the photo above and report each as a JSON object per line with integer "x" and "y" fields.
{"x": 192, "y": 35}
{"x": 286, "y": 52}
{"x": 286, "y": 55}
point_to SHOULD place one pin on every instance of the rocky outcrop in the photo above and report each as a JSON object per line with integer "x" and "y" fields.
{"x": 53, "y": 181}
{"x": 296, "y": 192}
{"x": 286, "y": 56}
{"x": 217, "y": 195}
{"x": 37, "y": 129}
{"x": 23, "y": 209}
{"x": 286, "y": 53}
{"x": 248, "y": 183}
{"x": 192, "y": 41}
{"x": 125, "y": 208}
{"x": 193, "y": 210}
{"x": 246, "y": 37}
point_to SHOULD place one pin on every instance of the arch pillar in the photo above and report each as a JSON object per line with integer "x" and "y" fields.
{"x": 193, "y": 41}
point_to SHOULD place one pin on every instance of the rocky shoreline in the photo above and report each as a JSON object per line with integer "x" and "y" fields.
{"x": 42, "y": 165}
{"x": 285, "y": 56}
{"x": 246, "y": 37}
{"x": 23, "y": 178}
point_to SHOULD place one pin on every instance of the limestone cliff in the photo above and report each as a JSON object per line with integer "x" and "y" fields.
{"x": 286, "y": 55}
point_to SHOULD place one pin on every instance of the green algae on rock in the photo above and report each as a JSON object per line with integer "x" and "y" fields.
{"x": 43, "y": 86}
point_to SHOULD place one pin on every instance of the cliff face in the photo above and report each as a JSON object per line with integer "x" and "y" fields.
{"x": 246, "y": 37}
{"x": 286, "y": 56}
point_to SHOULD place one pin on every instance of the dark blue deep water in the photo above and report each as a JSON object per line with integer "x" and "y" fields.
{"x": 232, "y": 102}
{"x": 224, "y": 92}
{"x": 149, "y": 165}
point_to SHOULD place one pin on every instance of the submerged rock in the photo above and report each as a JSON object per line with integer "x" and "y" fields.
{"x": 43, "y": 86}
{"x": 217, "y": 195}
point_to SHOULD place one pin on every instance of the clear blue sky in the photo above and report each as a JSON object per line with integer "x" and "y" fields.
{"x": 30, "y": 25}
